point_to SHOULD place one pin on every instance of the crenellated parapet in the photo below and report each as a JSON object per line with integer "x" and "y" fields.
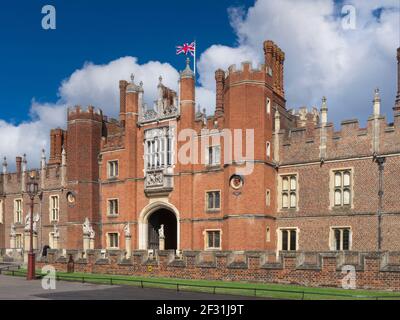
{"x": 312, "y": 140}
{"x": 245, "y": 73}
{"x": 90, "y": 113}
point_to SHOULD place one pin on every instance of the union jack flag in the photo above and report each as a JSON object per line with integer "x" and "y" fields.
{"x": 191, "y": 48}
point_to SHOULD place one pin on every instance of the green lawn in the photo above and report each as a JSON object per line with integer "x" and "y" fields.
{"x": 279, "y": 291}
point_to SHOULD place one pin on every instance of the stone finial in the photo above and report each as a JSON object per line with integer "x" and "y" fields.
{"x": 24, "y": 162}
{"x": 63, "y": 157}
{"x": 132, "y": 87}
{"x": 377, "y": 103}
{"x": 187, "y": 73}
{"x": 5, "y": 165}
{"x": 277, "y": 121}
{"x": 324, "y": 112}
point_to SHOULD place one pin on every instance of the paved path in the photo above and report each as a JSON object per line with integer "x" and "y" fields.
{"x": 18, "y": 288}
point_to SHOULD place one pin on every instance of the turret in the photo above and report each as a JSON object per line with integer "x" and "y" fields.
{"x": 133, "y": 98}
{"x": 85, "y": 129}
{"x": 187, "y": 96}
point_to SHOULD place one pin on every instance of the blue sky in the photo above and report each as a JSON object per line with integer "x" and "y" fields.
{"x": 34, "y": 61}
{"x": 97, "y": 43}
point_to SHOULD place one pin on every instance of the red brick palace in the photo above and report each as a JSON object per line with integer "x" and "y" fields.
{"x": 121, "y": 184}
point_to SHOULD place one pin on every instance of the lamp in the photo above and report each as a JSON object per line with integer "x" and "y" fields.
{"x": 32, "y": 188}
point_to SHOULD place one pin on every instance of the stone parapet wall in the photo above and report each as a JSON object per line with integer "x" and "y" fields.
{"x": 374, "y": 270}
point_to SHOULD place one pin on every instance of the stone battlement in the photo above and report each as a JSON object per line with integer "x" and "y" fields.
{"x": 90, "y": 113}
{"x": 11, "y": 182}
{"x": 245, "y": 72}
{"x": 308, "y": 136}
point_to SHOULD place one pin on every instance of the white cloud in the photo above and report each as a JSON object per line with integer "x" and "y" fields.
{"x": 321, "y": 59}
{"x": 95, "y": 85}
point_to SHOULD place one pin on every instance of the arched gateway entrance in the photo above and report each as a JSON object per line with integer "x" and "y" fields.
{"x": 168, "y": 220}
{"x": 151, "y": 218}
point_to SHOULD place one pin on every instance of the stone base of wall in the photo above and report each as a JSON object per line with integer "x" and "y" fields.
{"x": 373, "y": 270}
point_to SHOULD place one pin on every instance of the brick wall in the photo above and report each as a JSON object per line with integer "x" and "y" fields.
{"x": 373, "y": 270}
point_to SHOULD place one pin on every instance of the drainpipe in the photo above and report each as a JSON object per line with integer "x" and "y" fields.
{"x": 381, "y": 162}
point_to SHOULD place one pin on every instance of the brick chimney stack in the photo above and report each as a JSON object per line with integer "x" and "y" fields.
{"x": 397, "y": 104}
{"x": 220, "y": 84}
{"x": 274, "y": 62}
{"x": 122, "y": 101}
{"x": 18, "y": 161}
{"x": 56, "y": 142}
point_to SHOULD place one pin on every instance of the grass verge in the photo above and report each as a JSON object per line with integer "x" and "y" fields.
{"x": 266, "y": 290}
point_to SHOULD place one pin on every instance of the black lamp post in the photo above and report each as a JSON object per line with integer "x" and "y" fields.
{"x": 32, "y": 189}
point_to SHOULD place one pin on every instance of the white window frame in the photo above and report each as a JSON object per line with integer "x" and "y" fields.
{"x": 268, "y": 149}
{"x": 280, "y": 239}
{"x": 268, "y": 197}
{"x": 332, "y": 239}
{"x": 268, "y": 234}
{"x": 220, "y": 200}
{"x": 289, "y": 192}
{"x": 158, "y": 149}
{"x": 113, "y": 168}
{"x": 333, "y": 188}
{"x": 268, "y": 105}
{"x": 54, "y": 212}
{"x": 215, "y": 152}
{"x": 108, "y": 240}
{"x": 18, "y": 213}
{"x": 21, "y": 241}
{"x": 109, "y": 207}
{"x": 205, "y": 233}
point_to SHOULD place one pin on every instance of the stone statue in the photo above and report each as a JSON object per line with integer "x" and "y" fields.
{"x": 27, "y": 222}
{"x": 91, "y": 233}
{"x": 36, "y": 219}
{"x": 161, "y": 231}
{"x": 86, "y": 226}
{"x": 127, "y": 230}
{"x": 13, "y": 230}
{"x": 56, "y": 232}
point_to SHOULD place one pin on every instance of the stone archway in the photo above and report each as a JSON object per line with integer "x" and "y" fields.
{"x": 150, "y": 219}
{"x": 168, "y": 220}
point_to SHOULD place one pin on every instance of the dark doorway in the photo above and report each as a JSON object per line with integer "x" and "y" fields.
{"x": 168, "y": 219}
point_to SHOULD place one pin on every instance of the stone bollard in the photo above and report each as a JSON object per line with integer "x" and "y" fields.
{"x": 128, "y": 246}
{"x": 162, "y": 243}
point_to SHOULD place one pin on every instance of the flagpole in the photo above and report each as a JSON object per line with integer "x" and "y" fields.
{"x": 194, "y": 62}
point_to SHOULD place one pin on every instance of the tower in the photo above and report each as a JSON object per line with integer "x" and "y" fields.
{"x": 82, "y": 151}
{"x": 250, "y": 98}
